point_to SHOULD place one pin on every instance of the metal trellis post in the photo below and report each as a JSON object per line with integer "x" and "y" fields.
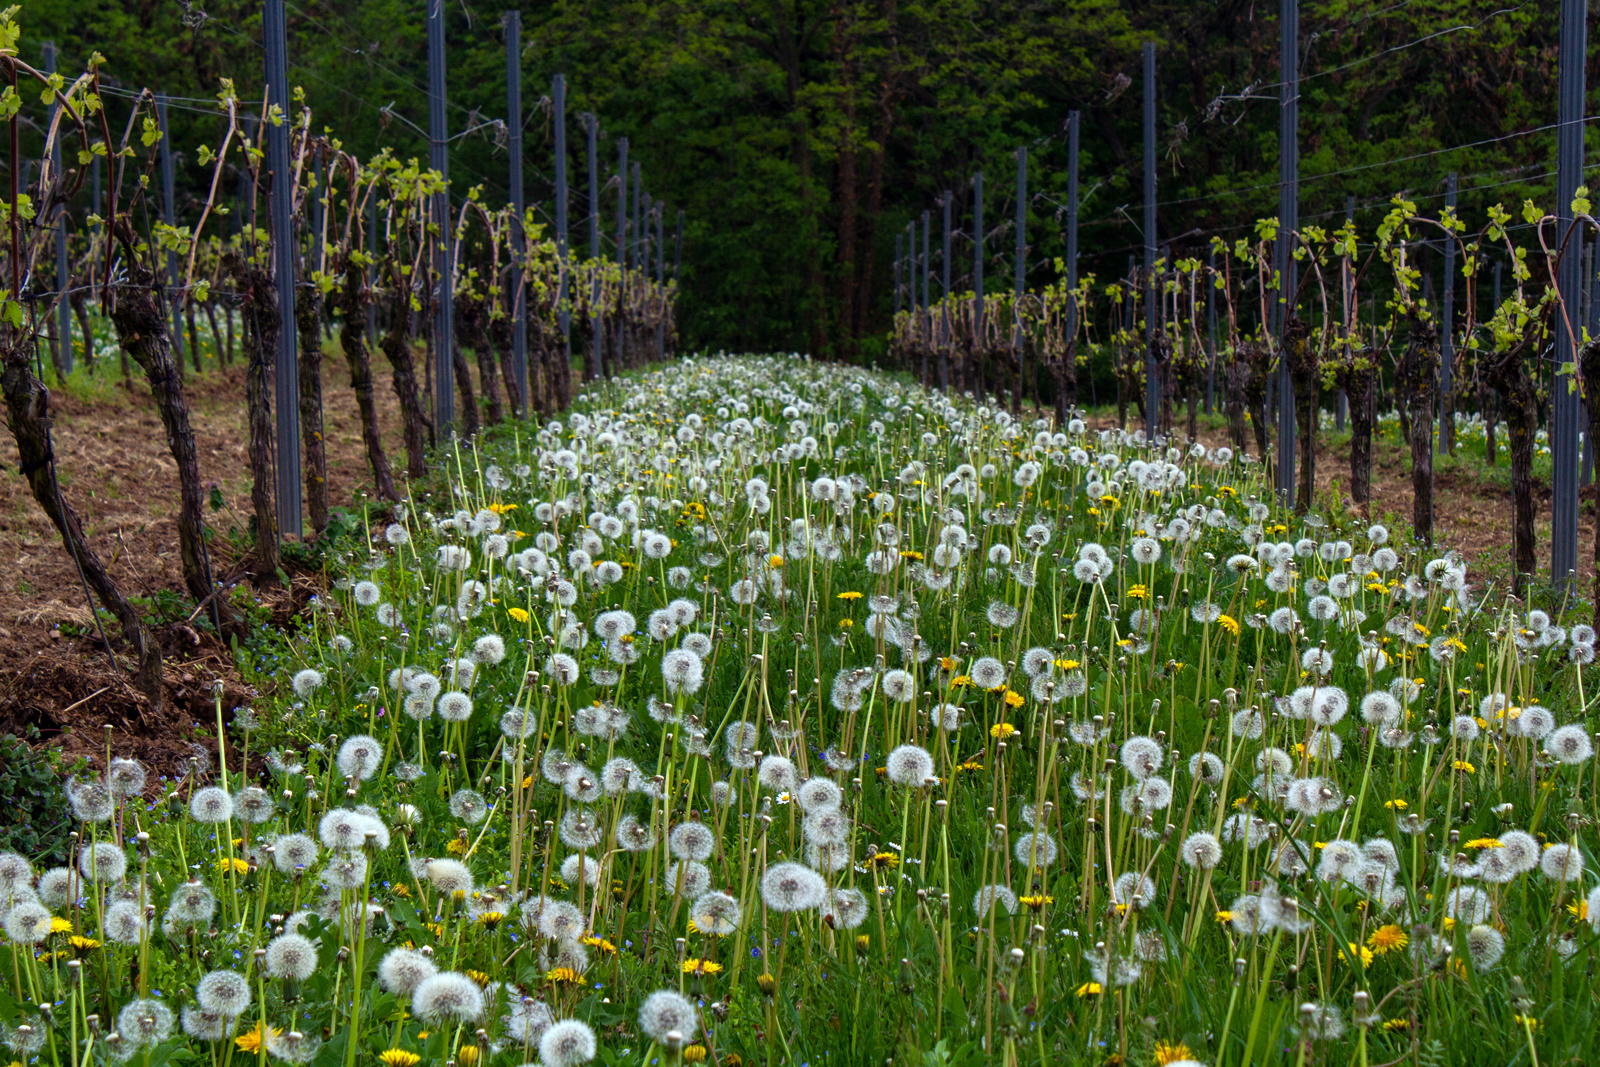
{"x": 1347, "y": 294}
{"x": 558, "y": 95}
{"x": 1019, "y": 269}
{"x": 596, "y": 313}
{"x": 622, "y": 245}
{"x": 899, "y": 239}
{"x": 1211, "y": 331}
{"x": 977, "y": 256}
{"x": 1072, "y": 237}
{"x": 636, "y": 230}
{"x": 1288, "y": 222}
{"x": 1152, "y": 387}
{"x": 444, "y": 393}
{"x": 286, "y": 361}
{"x": 519, "y": 301}
{"x": 1447, "y": 343}
{"x": 661, "y": 279}
{"x": 944, "y": 299}
{"x": 1566, "y": 404}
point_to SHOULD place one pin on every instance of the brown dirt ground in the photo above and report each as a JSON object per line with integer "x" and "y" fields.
{"x": 116, "y": 469}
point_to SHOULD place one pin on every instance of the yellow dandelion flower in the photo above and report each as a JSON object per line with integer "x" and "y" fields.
{"x": 1357, "y": 953}
{"x": 58, "y": 925}
{"x": 1484, "y": 842}
{"x": 1167, "y": 1052}
{"x": 399, "y": 1057}
{"x": 1229, "y": 623}
{"x": 1089, "y": 989}
{"x": 557, "y": 975}
{"x": 1013, "y": 698}
{"x": 251, "y": 1040}
{"x": 849, "y": 594}
{"x": 701, "y": 967}
{"x": 1386, "y": 939}
{"x": 1001, "y": 730}
{"x": 517, "y": 616}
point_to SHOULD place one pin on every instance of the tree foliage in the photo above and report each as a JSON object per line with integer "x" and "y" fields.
{"x": 800, "y": 136}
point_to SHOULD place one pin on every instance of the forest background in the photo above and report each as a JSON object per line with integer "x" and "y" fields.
{"x": 800, "y": 137}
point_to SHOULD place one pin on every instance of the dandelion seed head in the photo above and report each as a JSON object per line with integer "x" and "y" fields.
{"x": 223, "y": 991}
{"x": 567, "y": 1043}
{"x": 447, "y": 997}
{"x": 910, "y": 765}
{"x": 790, "y": 887}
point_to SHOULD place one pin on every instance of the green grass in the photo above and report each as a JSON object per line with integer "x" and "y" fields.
{"x": 1071, "y": 700}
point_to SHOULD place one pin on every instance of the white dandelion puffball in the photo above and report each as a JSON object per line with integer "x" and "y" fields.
{"x": 910, "y": 765}
{"x": 291, "y": 956}
{"x": 447, "y": 997}
{"x": 360, "y": 757}
{"x": 665, "y": 1011}
{"x": 792, "y": 887}
{"x": 568, "y": 1043}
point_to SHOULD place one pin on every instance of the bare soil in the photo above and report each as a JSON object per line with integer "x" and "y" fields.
{"x": 115, "y": 468}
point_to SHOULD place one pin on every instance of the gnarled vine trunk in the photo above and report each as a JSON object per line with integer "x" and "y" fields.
{"x": 1305, "y": 369}
{"x": 1415, "y": 378}
{"x": 353, "y": 339}
{"x": 472, "y": 332}
{"x": 1356, "y": 378}
{"x": 1507, "y": 372}
{"x": 138, "y": 315}
{"x": 1257, "y": 364}
{"x": 1235, "y": 376}
{"x": 258, "y": 301}
{"x": 313, "y": 451}
{"x": 396, "y": 345}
